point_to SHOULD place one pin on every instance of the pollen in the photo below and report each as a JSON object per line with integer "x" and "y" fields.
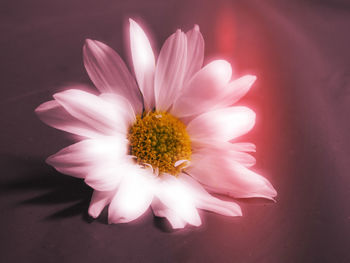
{"x": 160, "y": 140}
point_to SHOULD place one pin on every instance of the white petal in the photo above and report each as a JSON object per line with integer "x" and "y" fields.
{"x": 106, "y": 176}
{"x": 176, "y": 197}
{"x": 109, "y": 73}
{"x": 170, "y": 70}
{"x": 208, "y": 202}
{"x": 222, "y": 175}
{"x": 222, "y": 124}
{"x": 160, "y": 210}
{"x": 144, "y": 63}
{"x": 53, "y": 114}
{"x": 233, "y": 151}
{"x": 236, "y": 90}
{"x": 121, "y": 107}
{"x": 80, "y": 158}
{"x": 204, "y": 89}
{"x": 108, "y": 118}
{"x": 133, "y": 197}
{"x": 98, "y": 201}
{"x": 195, "y": 52}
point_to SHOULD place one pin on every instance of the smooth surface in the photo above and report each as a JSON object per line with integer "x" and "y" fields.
{"x": 299, "y": 51}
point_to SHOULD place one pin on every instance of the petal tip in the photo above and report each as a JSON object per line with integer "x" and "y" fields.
{"x": 88, "y": 42}
{"x": 40, "y": 108}
{"x": 93, "y": 213}
{"x": 133, "y": 23}
{"x": 251, "y": 80}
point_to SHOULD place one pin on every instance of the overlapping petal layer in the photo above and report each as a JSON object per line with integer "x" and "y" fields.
{"x": 175, "y": 82}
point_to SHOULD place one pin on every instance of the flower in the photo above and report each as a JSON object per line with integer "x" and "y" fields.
{"x": 166, "y": 140}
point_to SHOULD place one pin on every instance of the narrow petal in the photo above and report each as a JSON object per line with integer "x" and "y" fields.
{"x": 144, "y": 63}
{"x": 170, "y": 70}
{"x": 109, "y": 73}
{"x": 133, "y": 197}
{"x": 80, "y": 158}
{"x": 108, "y": 118}
{"x": 54, "y": 115}
{"x": 99, "y": 200}
{"x": 160, "y": 210}
{"x": 222, "y": 175}
{"x": 236, "y": 90}
{"x": 176, "y": 197}
{"x": 233, "y": 151}
{"x": 222, "y": 124}
{"x": 195, "y": 52}
{"x": 244, "y": 147}
{"x": 208, "y": 202}
{"x": 204, "y": 89}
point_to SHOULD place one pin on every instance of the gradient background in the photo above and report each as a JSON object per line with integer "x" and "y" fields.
{"x": 300, "y": 52}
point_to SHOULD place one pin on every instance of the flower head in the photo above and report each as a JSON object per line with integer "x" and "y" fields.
{"x": 166, "y": 140}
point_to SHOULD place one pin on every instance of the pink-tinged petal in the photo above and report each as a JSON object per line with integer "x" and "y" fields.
{"x": 144, "y": 63}
{"x": 109, "y": 73}
{"x": 54, "y": 115}
{"x": 195, "y": 52}
{"x": 80, "y": 158}
{"x": 243, "y": 158}
{"x": 177, "y": 198}
{"x": 220, "y": 174}
{"x": 235, "y": 90}
{"x": 170, "y": 70}
{"x": 160, "y": 210}
{"x": 133, "y": 197}
{"x": 108, "y": 118}
{"x": 231, "y": 150}
{"x": 244, "y": 147}
{"x": 202, "y": 91}
{"x": 99, "y": 200}
{"x": 208, "y": 202}
{"x": 222, "y": 124}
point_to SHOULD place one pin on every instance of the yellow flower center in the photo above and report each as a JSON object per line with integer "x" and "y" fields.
{"x": 160, "y": 140}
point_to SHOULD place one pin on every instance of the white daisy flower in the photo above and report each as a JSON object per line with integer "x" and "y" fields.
{"x": 164, "y": 140}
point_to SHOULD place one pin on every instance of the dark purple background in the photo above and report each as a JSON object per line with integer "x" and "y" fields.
{"x": 300, "y": 52}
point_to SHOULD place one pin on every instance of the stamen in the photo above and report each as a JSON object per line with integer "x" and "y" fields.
{"x": 161, "y": 140}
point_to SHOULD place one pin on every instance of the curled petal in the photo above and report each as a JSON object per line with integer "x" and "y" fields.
{"x": 109, "y": 73}
{"x": 144, "y": 63}
{"x": 202, "y": 91}
{"x": 99, "y": 200}
{"x": 170, "y": 70}
{"x": 133, "y": 197}
{"x": 222, "y": 124}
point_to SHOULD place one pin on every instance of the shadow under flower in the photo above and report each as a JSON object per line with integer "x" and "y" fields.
{"x": 27, "y": 177}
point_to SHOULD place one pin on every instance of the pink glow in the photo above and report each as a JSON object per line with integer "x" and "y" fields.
{"x": 225, "y": 32}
